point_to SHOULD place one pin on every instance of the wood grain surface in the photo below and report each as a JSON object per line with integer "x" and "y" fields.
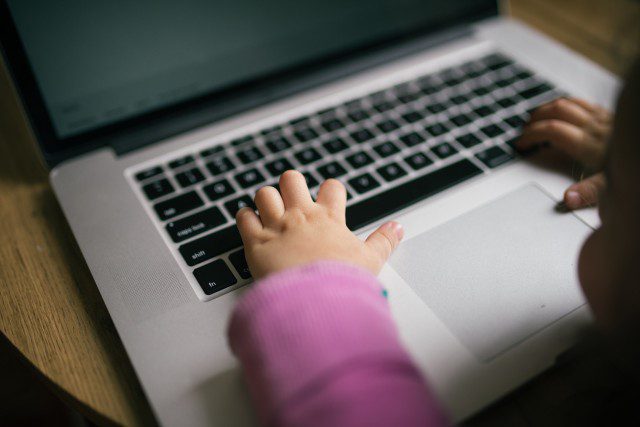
{"x": 51, "y": 311}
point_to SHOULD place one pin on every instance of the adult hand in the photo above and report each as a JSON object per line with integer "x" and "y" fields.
{"x": 581, "y": 131}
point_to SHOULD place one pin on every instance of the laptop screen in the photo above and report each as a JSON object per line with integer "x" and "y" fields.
{"x": 97, "y": 63}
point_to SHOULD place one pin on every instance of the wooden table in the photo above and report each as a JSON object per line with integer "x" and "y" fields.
{"x": 51, "y": 311}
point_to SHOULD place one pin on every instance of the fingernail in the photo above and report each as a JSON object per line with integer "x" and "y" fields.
{"x": 398, "y": 229}
{"x": 573, "y": 199}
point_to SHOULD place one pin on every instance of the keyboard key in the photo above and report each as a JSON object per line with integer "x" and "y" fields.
{"x": 307, "y": 156}
{"x": 214, "y": 277}
{"x": 383, "y": 106}
{"x": 484, "y": 111}
{"x": 461, "y": 120}
{"x": 459, "y": 99}
{"x": 249, "y": 178}
{"x": 362, "y": 135}
{"x": 408, "y": 97}
{"x": 148, "y": 173}
{"x": 239, "y": 262}
{"x": 157, "y": 189}
{"x": 496, "y": 61}
{"x": 386, "y": 149}
{"x": 181, "y": 162}
{"x": 412, "y": 117}
{"x": 391, "y": 172}
{"x": 507, "y": 102}
{"x": 492, "y": 130}
{"x": 211, "y": 245}
{"x": 278, "y": 167}
{"x": 332, "y": 125}
{"x": 220, "y": 165}
{"x": 364, "y": 183}
{"x": 515, "y": 121}
{"x": 444, "y": 150}
{"x": 270, "y": 130}
{"x": 310, "y": 179}
{"x": 335, "y": 145}
{"x": 468, "y": 140}
{"x": 249, "y": 155}
{"x": 359, "y": 159}
{"x": 404, "y": 195}
{"x": 430, "y": 89}
{"x": 233, "y": 206}
{"x": 494, "y": 156}
{"x": 523, "y": 75}
{"x": 535, "y": 91}
{"x": 218, "y": 190}
{"x": 331, "y": 170}
{"x": 306, "y": 134}
{"x": 211, "y": 151}
{"x": 483, "y": 90}
{"x": 178, "y": 205}
{"x": 505, "y": 82}
{"x": 437, "y": 129}
{"x": 418, "y": 161}
{"x": 195, "y": 224}
{"x": 436, "y": 108}
{"x": 412, "y": 139}
{"x": 278, "y": 144}
{"x": 387, "y": 126}
{"x": 189, "y": 177}
{"x": 299, "y": 120}
{"x": 358, "y": 115}
{"x": 428, "y": 85}
{"x": 242, "y": 140}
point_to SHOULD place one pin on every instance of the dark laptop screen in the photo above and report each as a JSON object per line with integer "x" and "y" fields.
{"x": 99, "y": 62}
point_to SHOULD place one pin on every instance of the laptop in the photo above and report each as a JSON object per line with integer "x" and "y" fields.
{"x": 159, "y": 120}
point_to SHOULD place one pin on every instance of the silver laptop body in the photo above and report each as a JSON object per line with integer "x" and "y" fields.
{"x": 483, "y": 288}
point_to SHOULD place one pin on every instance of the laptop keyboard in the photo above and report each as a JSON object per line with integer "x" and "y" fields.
{"x": 391, "y": 149}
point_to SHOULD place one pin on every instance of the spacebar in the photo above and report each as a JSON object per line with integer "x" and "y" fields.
{"x": 377, "y": 207}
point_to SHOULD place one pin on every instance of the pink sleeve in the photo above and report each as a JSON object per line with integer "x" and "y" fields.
{"x": 319, "y": 348}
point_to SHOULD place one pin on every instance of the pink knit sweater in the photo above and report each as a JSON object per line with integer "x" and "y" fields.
{"x": 319, "y": 348}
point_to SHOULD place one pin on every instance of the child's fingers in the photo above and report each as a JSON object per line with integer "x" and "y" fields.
{"x": 270, "y": 206}
{"x": 333, "y": 195}
{"x": 294, "y": 190}
{"x": 585, "y": 193}
{"x": 565, "y": 137}
{"x": 562, "y": 109}
{"x": 249, "y": 225}
{"x": 384, "y": 240}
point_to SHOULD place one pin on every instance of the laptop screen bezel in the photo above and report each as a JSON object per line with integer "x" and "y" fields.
{"x": 148, "y": 127}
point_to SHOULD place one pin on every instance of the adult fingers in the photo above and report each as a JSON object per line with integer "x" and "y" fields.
{"x": 565, "y": 137}
{"x": 294, "y": 190}
{"x": 562, "y": 109}
{"x": 586, "y": 192}
{"x": 333, "y": 195}
{"x": 384, "y": 240}
{"x": 270, "y": 205}
{"x": 249, "y": 225}
{"x": 598, "y": 112}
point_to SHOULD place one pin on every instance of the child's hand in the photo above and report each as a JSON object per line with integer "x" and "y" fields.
{"x": 293, "y": 230}
{"x": 581, "y": 131}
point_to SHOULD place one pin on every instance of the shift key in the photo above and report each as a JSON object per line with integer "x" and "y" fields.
{"x": 211, "y": 245}
{"x": 195, "y": 224}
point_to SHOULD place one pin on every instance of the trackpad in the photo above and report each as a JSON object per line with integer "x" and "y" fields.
{"x": 499, "y": 273}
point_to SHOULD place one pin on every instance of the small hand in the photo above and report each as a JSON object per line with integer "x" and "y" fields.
{"x": 580, "y": 130}
{"x": 292, "y": 230}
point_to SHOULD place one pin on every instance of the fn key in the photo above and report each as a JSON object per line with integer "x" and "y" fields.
{"x": 214, "y": 277}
